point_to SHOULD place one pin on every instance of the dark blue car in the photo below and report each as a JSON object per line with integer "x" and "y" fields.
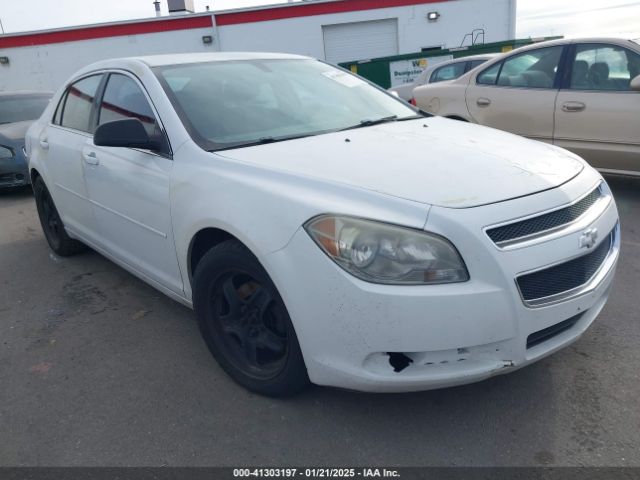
{"x": 17, "y": 111}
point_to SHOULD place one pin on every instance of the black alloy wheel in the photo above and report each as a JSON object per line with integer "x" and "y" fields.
{"x": 52, "y": 224}
{"x": 245, "y": 323}
{"x": 247, "y": 320}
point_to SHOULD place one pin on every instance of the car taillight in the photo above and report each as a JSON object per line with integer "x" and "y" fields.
{"x": 413, "y": 102}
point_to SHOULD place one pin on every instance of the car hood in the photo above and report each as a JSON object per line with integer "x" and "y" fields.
{"x": 432, "y": 160}
{"x": 14, "y": 131}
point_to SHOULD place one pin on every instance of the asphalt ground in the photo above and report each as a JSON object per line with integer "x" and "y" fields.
{"x": 97, "y": 368}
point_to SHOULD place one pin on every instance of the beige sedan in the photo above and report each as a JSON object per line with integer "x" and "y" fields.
{"x": 580, "y": 94}
{"x": 441, "y": 72}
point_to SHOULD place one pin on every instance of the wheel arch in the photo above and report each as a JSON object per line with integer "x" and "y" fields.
{"x": 204, "y": 240}
{"x": 33, "y": 173}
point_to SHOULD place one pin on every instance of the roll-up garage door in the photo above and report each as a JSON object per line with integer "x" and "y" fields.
{"x": 360, "y": 40}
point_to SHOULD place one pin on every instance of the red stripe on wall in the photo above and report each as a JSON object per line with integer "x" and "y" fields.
{"x": 309, "y": 9}
{"x": 104, "y": 31}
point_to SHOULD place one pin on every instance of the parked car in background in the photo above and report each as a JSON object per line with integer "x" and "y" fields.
{"x": 440, "y": 72}
{"x": 293, "y": 206}
{"x": 580, "y": 94}
{"x": 17, "y": 111}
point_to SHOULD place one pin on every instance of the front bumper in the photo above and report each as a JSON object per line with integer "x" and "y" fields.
{"x": 14, "y": 171}
{"x": 453, "y": 334}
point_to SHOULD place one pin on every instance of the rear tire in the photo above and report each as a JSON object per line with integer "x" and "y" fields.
{"x": 245, "y": 323}
{"x": 52, "y": 225}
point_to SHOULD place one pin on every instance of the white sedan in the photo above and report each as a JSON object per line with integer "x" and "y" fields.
{"x": 323, "y": 230}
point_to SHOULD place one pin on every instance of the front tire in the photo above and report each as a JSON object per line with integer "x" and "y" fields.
{"x": 245, "y": 323}
{"x": 52, "y": 225}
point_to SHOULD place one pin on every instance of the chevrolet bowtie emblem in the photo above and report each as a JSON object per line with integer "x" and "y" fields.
{"x": 588, "y": 238}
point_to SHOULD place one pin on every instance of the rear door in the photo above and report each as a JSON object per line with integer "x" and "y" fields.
{"x": 597, "y": 114}
{"x": 61, "y": 143}
{"x": 518, "y": 94}
{"x": 129, "y": 188}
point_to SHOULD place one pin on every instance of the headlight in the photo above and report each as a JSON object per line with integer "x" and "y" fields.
{"x": 5, "y": 152}
{"x": 382, "y": 253}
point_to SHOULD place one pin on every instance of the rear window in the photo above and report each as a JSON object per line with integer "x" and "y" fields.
{"x": 448, "y": 72}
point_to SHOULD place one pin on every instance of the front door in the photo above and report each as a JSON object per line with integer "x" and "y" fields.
{"x": 598, "y": 116}
{"x": 129, "y": 189}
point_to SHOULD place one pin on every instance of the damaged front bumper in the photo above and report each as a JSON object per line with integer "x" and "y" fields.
{"x": 386, "y": 338}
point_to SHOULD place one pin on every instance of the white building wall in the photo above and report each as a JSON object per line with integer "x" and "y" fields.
{"x": 46, "y": 67}
{"x": 303, "y": 35}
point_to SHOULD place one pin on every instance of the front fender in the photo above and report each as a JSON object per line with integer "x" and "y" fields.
{"x": 263, "y": 207}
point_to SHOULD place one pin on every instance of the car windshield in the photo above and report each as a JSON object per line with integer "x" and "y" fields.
{"x": 21, "y": 108}
{"x": 232, "y": 104}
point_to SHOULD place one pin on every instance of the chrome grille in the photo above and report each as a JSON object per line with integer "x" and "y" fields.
{"x": 545, "y": 222}
{"x": 565, "y": 276}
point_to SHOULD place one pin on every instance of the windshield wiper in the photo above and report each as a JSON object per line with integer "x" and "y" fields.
{"x": 391, "y": 118}
{"x": 370, "y": 123}
{"x": 262, "y": 141}
{"x": 415, "y": 117}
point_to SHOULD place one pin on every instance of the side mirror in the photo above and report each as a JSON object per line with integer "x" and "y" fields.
{"x": 635, "y": 84}
{"x": 129, "y": 133}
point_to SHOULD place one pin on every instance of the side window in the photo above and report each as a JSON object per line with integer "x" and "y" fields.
{"x": 122, "y": 99}
{"x": 474, "y": 63}
{"x": 604, "y": 67}
{"x": 78, "y": 102}
{"x": 448, "y": 72}
{"x": 490, "y": 75}
{"x": 531, "y": 69}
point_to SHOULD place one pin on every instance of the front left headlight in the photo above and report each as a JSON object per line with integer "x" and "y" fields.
{"x": 5, "y": 152}
{"x": 381, "y": 253}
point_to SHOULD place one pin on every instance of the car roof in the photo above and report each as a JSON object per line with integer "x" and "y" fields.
{"x": 478, "y": 56}
{"x": 183, "y": 58}
{"x": 187, "y": 58}
{"x": 481, "y": 56}
{"x": 567, "y": 41}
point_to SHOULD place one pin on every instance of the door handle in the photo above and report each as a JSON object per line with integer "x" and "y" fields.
{"x": 573, "y": 107}
{"x": 44, "y": 143}
{"x": 91, "y": 158}
{"x": 483, "y": 102}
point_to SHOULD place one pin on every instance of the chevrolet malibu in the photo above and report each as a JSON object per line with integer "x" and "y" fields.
{"x": 323, "y": 230}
